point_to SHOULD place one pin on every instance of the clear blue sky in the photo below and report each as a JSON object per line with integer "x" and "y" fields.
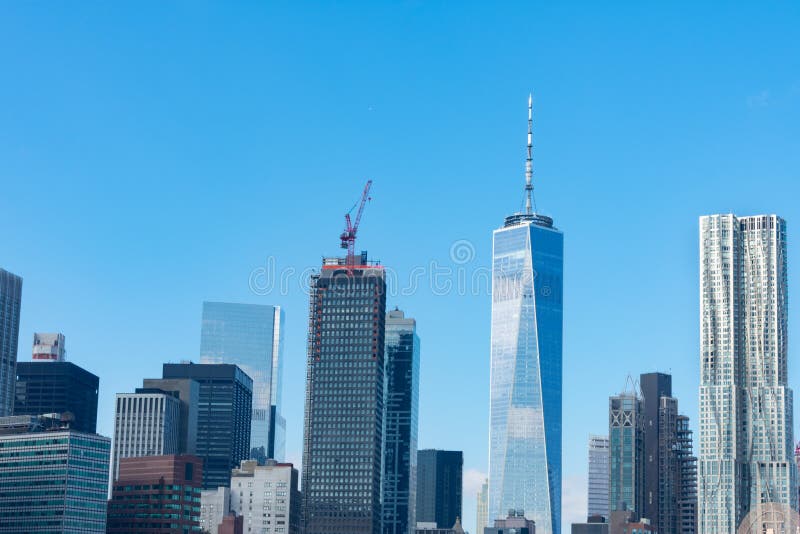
{"x": 153, "y": 155}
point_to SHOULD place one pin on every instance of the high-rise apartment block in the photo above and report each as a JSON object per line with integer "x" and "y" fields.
{"x": 10, "y": 300}
{"x": 267, "y": 497}
{"x": 746, "y": 415}
{"x": 626, "y": 453}
{"x": 48, "y": 347}
{"x": 223, "y": 416}
{"x": 250, "y": 336}
{"x": 401, "y": 403}
{"x": 659, "y": 411}
{"x": 52, "y": 478}
{"x": 482, "y": 508}
{"x": 598, "y": 476}
{"x": 156, "y": 494}
{"x": 146, "y": 423}
{"x": 57, "y": 387}
{"x": 344, "y": 407}
{"x": 526, "y": 365}
{"x": 215, "y": 505}
{"x": 686, "y": 479}
{"x": 439, "y": 486}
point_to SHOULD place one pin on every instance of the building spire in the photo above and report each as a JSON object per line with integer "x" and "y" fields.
{"x": 529, "y": 160}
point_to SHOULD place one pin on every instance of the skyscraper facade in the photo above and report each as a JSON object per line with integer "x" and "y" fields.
{"x": 686, "y": 490}
{"x": 223, "y": 416}
{"x": 526, "y": 367}
{"x": 267, "y": 496}
{"x": 746, "y": 443}
{"x": 401, "y": 408}
{"x": 51, "y": 479}
{"x": 146, "y": 423}
{"x": 655, "y": 386}
{"x": 598, "y": 476}
{"x": 439, "y": 486}
{"x": 482, "y": 508}
{"x": 187, "y": 392}
{"x": 48, "y": 347}
{"x": 249, "y": 335}
{"x": 626, "y": 453}
{"x": 343, "y": 430}
{"x": 57, "y": 387}
{"x": 10, "y": 300}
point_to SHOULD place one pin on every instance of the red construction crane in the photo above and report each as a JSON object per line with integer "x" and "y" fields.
{"x": 348, "y": 237}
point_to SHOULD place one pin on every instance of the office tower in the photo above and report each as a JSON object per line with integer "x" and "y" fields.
{"x": 188, "y": 393}
{"x": 482, "y": 508}
{"x": 598, "y": 476}
{"x": 626, "y": 451}
{"x": 686, "y": 488}
{"x": 57, "y": 387}
{"x": 439, "y": 486}
{"x": 249, "y": 335}
{"x": 514, "y": 523}
{"x": 156, "y": 494}
{"x": 653, "y": 387}
{"x": 146, "y": 423}
{"x": 343, "y": 432}
{"x": 595, "y": 524}
{"x": 525, "y": 391}
{"x": 214, "y": 506}
{"x": 746, "y": 417}
{"x": 431, "y": 528}
{"x": 10, "y": 298}
{"x": 52, "y": 478}
{"x": 223, "y": 417}
{"x": 401, "y": 401}
{"x": 48, "y": 347}
{"x": 267, "y": 497}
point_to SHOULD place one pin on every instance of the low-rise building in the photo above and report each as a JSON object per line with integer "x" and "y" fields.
{"x": 267, "y": 497}
{"x": 215, "y": 505}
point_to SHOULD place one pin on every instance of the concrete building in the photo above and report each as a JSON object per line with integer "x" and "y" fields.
{"x": 231, "y": 524}
{"x": 52, "y": 478}
{"x": 686, "y": 487}
{"x": 215, "y": 505}
{"x": 595, "y": 524}
{"x": 746, "y": 405}
{"x": 439, "y": 486}
{"x": 514, "y": 523}
{"x": 267, "y": 497}
{"x": 598, "y": 476}
{"x": 401, "y": 409}
{"x": 156, "y": 494}
{"x": 223, "y": 420}
{"x": 48, "y": 347}
{"x": 431, "y": 528}
{"x": 482, "y": 508}
{"x": 57, "y": 387}
{"x": 188, "y": 393}
{"x": 10, "y": 301}
{"x": 250, "y": 336}
{"x": 344, "y": 399}
{"x": 146, "y": 423}
{"x": 525, "y": 415}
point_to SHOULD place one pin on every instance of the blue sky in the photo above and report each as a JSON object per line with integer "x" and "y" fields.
{"x": 155, "y": 155}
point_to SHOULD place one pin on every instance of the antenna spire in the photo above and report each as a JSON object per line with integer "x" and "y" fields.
{"x": 529, "y": 160}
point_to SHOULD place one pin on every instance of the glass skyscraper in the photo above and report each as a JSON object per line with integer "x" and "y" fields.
{"x": 598, "y": 476}
{"x": 401, "y": 414}
{"x": 10, "y": 299}
{"x": 525, "y": 410}
{"x": 626, "y": 453}
{"x": 249, "y": 335}
{"x": 746, "y": 444}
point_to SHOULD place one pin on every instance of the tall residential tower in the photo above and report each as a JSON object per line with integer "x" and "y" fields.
{"x": 746, "y": 444}
{"x": 10, "y": 299}
{"x": 526, "y": 363}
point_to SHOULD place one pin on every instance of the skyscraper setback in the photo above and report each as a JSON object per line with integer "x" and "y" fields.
{"x": 746, "y": 419}
{"x": 343, "y": 430}
{"x": 250, "y": 336}
{"x": 526, "y": 365}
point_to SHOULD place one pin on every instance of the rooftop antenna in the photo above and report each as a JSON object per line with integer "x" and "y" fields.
{"x": 529, "y": 160}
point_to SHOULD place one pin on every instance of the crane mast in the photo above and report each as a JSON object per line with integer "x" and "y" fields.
{"x": 348, "y": 236}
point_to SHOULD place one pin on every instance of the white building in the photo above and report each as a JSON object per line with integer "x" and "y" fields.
{"x": 214, "y": 505}
{"x": 746, "y": 445}
{"x": 598, "y": 476}
{"x": 267, "y": 497}
{"x": 146, "y": 423}
{"x": 48, "y": 347}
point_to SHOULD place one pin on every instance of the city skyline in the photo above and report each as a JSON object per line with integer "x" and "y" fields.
{"x": 681, "y": 114}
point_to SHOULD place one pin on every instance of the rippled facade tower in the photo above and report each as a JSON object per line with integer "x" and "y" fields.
{"x": 746, "y": 444}
{"x": 526, "y": 366}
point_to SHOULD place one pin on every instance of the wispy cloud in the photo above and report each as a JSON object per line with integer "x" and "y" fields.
{"x": 573, "y": 501}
